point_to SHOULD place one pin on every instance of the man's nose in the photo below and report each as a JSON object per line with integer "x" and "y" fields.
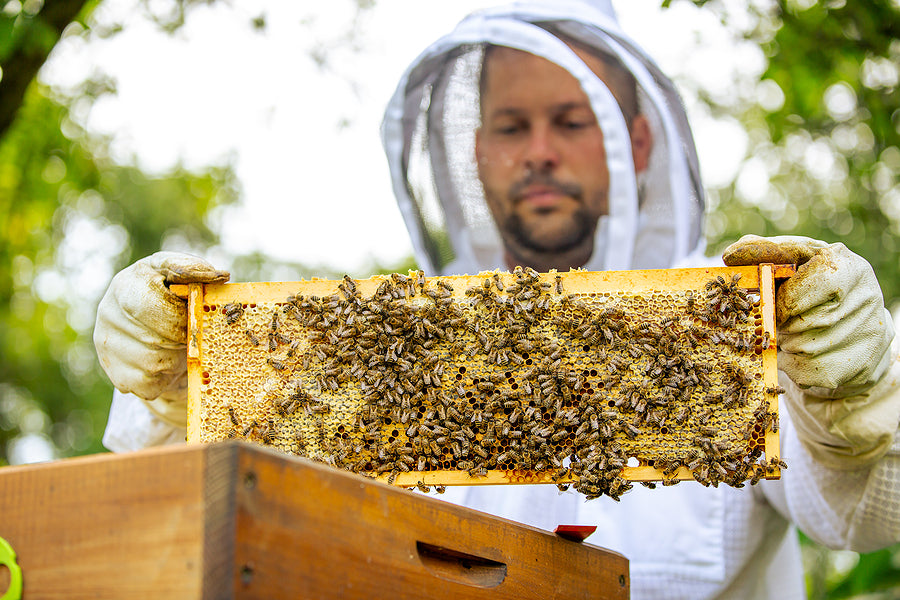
{"x": 541, "y": 153}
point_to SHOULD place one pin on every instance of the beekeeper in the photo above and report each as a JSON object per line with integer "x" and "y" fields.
{"x": 541, "y": 135}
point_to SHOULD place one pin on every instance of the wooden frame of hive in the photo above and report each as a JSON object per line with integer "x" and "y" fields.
{"x": 243, "y": 366}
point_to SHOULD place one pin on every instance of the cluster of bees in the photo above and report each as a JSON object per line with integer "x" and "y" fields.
{"x": 512, "y": 374}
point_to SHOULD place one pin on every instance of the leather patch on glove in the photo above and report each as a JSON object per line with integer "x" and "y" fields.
{"x": 782, "y": 250}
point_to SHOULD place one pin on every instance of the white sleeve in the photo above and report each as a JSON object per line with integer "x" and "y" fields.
{"x": 854, "y": 509}
{"x": 133, "y": 426}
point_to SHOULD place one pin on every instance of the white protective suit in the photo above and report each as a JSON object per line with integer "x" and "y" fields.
{"x": 685, "y": 541}
{"x": 842, "y": 487}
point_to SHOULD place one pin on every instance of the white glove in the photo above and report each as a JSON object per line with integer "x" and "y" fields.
{"x": 834, "y": 338}
{"x": 141, "y": 330}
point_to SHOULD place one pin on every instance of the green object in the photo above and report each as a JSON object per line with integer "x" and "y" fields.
{"x": 8, "y": 559}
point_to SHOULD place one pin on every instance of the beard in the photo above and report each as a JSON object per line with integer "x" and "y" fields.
{"x": 535, "y": 236}
{"x": 572, "y": 234}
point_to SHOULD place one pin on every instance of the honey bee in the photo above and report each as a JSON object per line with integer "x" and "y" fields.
{"x": 252, "y": 337}
{"x": 558, "y": 436}
{"x": 350, "y": 285}
{"x": 465, "y": 465}
{"x": 273, "y": 325}
{"x": 318, "y": 409}
{"x": 266, "y": 432}
{"x": 393, "y": 476}
{"x": 480, "y": 451}
{"x": 232, "y": 312}
{"x": 485, "y": 386}
{"x": 293, "y": 348}
{"x": 631, "y": 431}
{"x": 287, "y": 407}
{"x": 720, "y": 470}
{"x": 682, "y": 415}
{"x": 757, "y": 475}
{"x": 478, "y": 471}
{"x": 422, "y": 463}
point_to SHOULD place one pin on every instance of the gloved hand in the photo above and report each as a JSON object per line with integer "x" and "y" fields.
{"x": 141, "y": 329}
{"x": 834, "y": 338}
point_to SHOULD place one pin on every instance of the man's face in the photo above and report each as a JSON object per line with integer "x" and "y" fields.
{"x": 540, "y": 157}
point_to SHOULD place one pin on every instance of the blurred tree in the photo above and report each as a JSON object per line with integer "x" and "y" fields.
{"x": 70, "y": 218}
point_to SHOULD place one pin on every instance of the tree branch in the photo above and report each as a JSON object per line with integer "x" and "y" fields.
{"x": 22, "y": 63}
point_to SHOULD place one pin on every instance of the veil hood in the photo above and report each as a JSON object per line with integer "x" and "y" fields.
{"x": 429, "y": 126}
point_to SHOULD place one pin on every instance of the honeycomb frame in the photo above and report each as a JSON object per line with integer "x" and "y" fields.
{"x": 574, "y": 333}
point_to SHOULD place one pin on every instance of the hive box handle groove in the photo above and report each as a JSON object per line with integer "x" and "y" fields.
{"x": 460, "y": 567}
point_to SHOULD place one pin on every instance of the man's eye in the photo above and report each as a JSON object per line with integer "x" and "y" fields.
{"x": 508, "y": 129}
{"x": 576, "y": 124}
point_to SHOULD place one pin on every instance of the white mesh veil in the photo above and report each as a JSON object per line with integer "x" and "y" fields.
{"x": 429, "y": 131}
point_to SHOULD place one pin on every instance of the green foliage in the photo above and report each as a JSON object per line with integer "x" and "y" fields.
{"x": 257, "y": 266}
{"x": 846, "y": 575}
{"x": 71, "y": 218}
{"x": 24, "y": 31}
{"x": 832, "y": 150}
{"x": 875, "y": 572}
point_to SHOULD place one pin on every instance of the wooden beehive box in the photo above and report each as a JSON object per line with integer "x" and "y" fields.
{"x": 593, "y": 379}
{"x": 236, "y": 521}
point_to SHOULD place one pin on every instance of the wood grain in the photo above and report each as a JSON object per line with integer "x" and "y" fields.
{"x": 355, "y": 539}
{"x": 107, "y": 526}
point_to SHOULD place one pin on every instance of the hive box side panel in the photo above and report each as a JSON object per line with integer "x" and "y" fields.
{"x": 306, "y": 530}
{"x": 111, "y": 526}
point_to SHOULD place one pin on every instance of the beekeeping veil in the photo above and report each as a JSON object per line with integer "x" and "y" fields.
{"x": 429, "y": 137}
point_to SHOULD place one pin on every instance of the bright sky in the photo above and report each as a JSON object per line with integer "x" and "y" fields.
{"x": 305, "y": 140}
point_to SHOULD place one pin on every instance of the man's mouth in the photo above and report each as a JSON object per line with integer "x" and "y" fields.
{"x": 544, "y": 194}
{"x": 543, "y": 197}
